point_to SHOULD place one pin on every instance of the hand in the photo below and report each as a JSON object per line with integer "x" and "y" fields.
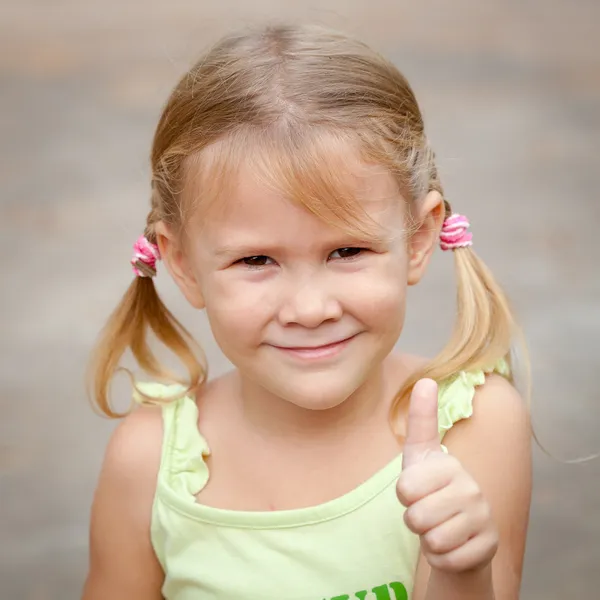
{"x": 444, "y": 504}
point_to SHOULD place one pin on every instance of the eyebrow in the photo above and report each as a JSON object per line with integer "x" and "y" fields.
{"x": 229, "y": 250}
{"x": 264, "y": 248}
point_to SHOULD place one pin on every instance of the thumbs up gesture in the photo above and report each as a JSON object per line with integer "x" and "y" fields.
{"x": 444, "y": 504}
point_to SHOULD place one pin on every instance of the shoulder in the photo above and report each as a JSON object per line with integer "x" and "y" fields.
{"x": 499, "y": 411}
{"x": 132, "y": 457}
{"x": 494, "y": 444}
{"x": 497, "y": 395}
{"x": 137, "y": 439}
{"x": 120, "y": 539}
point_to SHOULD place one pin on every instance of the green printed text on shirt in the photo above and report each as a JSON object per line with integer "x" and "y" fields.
{"x": 381, "y": 592}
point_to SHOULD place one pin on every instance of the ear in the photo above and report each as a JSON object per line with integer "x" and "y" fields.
{"x": 429, "y": 218}
{"x": 178, "y": 264}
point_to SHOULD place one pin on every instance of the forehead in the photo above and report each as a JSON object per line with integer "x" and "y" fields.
{"x": 327, "y": 188}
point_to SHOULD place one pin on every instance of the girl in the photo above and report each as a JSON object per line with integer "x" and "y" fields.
{"x": 294, "y": 198}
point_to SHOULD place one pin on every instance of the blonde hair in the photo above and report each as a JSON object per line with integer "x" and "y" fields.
{"x": 298, "y": 94}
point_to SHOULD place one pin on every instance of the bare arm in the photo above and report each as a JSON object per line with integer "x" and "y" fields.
{"x": 123, "y": 565}
{"x": 494, "y": 447}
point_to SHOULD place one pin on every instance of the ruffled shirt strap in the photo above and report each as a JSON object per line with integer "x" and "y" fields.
{"x": 183, "y": 468}
{"x": 455, "y": 394}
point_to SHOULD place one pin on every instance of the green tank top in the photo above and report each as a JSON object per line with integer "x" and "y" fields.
{"x": 355, "y": 547}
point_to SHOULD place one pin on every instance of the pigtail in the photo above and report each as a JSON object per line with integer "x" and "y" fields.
{"x": 484, "y": 332}
{"x": 141, "y": 311}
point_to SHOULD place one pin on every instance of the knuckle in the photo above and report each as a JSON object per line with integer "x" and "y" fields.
{"x": 414, "y": 519}
{"x": 405, "y": 489}
{"x": 486, "y": 512}
{"x": 454, "y": 562}
{"x": 441, "y": 562}
{"x": 494, "y": 541}
{"x": 472, "y": 490}
{"x": 435, "y": 541}
{"x": 465, "y": 557}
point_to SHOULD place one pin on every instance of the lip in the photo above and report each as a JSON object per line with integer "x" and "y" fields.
{"x": 316, "y": 352}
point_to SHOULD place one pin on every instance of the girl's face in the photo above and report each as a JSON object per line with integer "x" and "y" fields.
{"x": 302, "y": 309}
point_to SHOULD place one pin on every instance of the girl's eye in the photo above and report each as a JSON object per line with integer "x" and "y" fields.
{"x": 346, "y": 253}
{"x": 256, "y": 261}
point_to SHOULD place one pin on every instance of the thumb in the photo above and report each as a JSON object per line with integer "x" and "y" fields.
{"x": 422, "y": 434}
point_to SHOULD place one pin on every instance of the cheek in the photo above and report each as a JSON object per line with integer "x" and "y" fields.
{"x": 382, "y": 307}
{"x": 381, "y": 293}
{"x": 237, "y": 311}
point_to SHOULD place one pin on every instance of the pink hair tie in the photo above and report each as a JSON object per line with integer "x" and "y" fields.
{"x": 454, "y": 233}
{"x": 145, "y": 255}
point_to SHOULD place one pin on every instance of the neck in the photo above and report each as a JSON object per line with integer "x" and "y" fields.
{"x": 272, "y": 417}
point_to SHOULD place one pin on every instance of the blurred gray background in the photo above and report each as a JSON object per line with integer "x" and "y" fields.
{"x": 511, "y": 94}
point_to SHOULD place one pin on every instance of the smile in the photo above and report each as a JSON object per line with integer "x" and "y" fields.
{"x": 316, "y": 352}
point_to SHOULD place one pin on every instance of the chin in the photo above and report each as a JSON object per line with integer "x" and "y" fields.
{"x": 315, "y": 393}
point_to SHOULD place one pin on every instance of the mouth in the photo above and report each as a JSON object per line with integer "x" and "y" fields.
{"x": 316, "y": 352}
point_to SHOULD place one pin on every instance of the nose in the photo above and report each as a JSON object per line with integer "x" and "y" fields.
{"x": 309, "y": 303}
